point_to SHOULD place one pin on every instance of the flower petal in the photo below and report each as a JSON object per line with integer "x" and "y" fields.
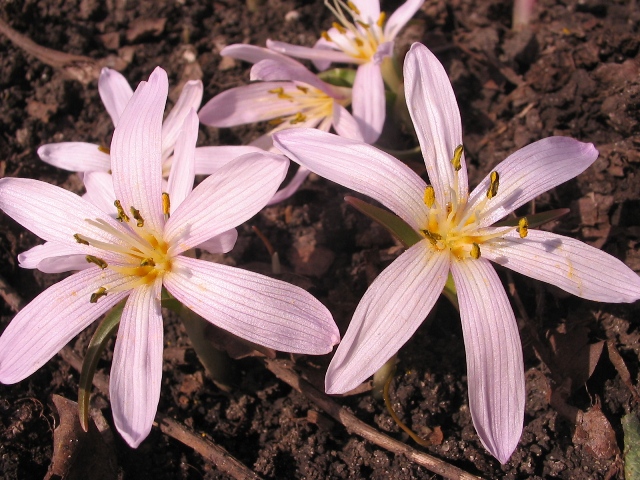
{"x": 368, "y": 10}
{"x": 273, "y": 71}
{"x": 115, "y": 93}
{"x": 321, "y": 54}
{"x": 322, "y": 44}
{"x": 436, "y": 118}
{"x": 257, "y": 308}
{"x": 136, "y": 151}
{"x": 136, "y": 372}
{"x": 360, "y": 167}
{"x": 254, "y": 54}
{"x": 211, "y": 159}
{"x": 190, "y": 98}
{"x": 182, "y": 173}
{"x": 248, "y": 104}
{"x": 344, "y": 124}
{"x": 223, "y": 201}
{"x": 391, "y": 310}
{"x": 530, "y": 171}
{"x": 291, "y": 187}
{"x": 75, "y": 156}
{"x": 369, "y": 106}
{"x": 39, "y": 331}
{"x": 222, "y": 243}
{"x": 567, "y": 263}
{"x": 400, "y": 17}
{"x": 53, "y": 257}
{"x": 100, "y": 191}
{"x": 495, "y": 369}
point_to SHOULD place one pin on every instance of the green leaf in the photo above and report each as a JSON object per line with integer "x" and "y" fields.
{"x": 340, "y": 77}
{"x": 631, "y": 428}
{"x": 394, "y": 224}
{"x": 107, "y": 328}
{"x": 534, "y": 220}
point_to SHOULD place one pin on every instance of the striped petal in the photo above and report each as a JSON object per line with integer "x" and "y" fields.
{"x": 401, "y": 17}
{"x": 190, "y": 98}
{"x": 115, "y": 93}
{"x": 75, "y": 156}
{"x": 182, "y": 174}
{"x": 369, "y": 105}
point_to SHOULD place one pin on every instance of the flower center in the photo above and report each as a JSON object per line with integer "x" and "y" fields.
{"x": 357, "y": 37}
{"x": 312, "y": 103}
{"x": 141, "y": 254}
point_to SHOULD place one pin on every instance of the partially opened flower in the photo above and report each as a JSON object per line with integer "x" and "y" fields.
{"x": 458, "y": 237}
{"x": 285, "y": 93}
{"x": 135, "y": 257}
{"x": 362, "y": 35}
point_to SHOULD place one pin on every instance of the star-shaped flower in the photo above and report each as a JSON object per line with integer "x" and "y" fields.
{"x": 458, "y": 237}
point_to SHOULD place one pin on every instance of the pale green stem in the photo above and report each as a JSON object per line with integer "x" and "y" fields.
{"x": 382, "y": 375}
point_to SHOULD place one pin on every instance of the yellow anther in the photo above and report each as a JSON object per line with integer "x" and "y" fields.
{"x": 523, "y": 227}
{"x": 101, "y": 292}
{"x": 121, "y": 215}
{"x": 298, "y": 118}
{"x": 104, "y": 149}
{"x": 79, "y": 239}
{"x": 432, "y": 237}
{"x": 326, "y": 36}
{"x": 456, "y": 161}
{"x": 166, "y": 204}
{"x": 359, "y": 42}
{"x": 275, "y": 121}
{"x": 449, "y": 207}
{"x": 475, "y": 251}
{"x": 147, "y": 262}
{"x": 362, "y": 24}
{"x": 302, "y": 89}
{"x": 136, "y": 214}
{"x": 97, "y": 261}
{"x": 353, "y": 8}
{"x": 493, "y": 187}
{"x": 339, "y": 27}
{"x": 277, "y": 91}
{"x": 429, "y": 196}
{"x": 381, "y": 19}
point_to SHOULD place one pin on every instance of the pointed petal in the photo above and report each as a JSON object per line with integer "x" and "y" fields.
{"x": 254, "y": 54}
{"x": 223, "y": 201}
{"x": 248, "y": 104}
{"x": 39, "y": 331}
{"x": 273, "y": 71}
{"x": 190, "y": 98}
{"x": 321, "y": 54}
{"x": 136, "y": 151}
{"x": 530, "y": 171}
{"x": 369, "y": 107}
{"x": 436, "y": 118}
{"x": 136, "y": 372}
{"x": 360, "y": 167}
{"x": 222, "y": 243}
{"x": 292, "y": 187}
{"x": 400, "y": 17}
{"x": 75, "y": 156}
{"x": 115, "y": 93}
{"x": 257, "y": 308}
{"x": 391, "y": 310}
{"x": 100, "y": 191}
{"x": 51, "y": 212}
{"x": 344, "y": 124}
{"x": 53, "y": 257}
{"x": 567, "y": 263}
{"x": 495, "y": 369}
{"x": 369, "y": 10}
{"x": 182, "y": 173}
{"x": 211, "y": 159}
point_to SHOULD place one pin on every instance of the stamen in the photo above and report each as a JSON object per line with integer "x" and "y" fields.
{"x": 339, "y": 27}
{"x": 101, "y": 292}
{"x": 121, "y": 215}
{"x": 302, "y": 89}
{"x": 275, "y": 121}
{"x": 166, "y": 205}
{"x": 326, "y": 36}
{"x": 104, "y": 150}
{"x": 299, "y": 118}
{"x": 79, "y": 239}
{"x": 429, "y": 196}
{"x": 136, "y": 214}
{"x": 456, "y": 161}
{"x": 363, "y": 25}
{"x": 353, "y": 8}
{"x": 432, "y": 237}
{"x": 277, "y": 91}
{"x": 359, "y": 42}
{"x": 523, "y": 227}
{"x": 381, "y": 19}
{"x": 493, "y": 187}
{"x": 147, "y": 262}
{"x": 97, "y": 261}
{"x": 475, "y": 251}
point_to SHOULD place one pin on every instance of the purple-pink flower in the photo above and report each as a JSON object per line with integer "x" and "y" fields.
{"x": 137, "y": 256}
{"x": 458, "y": 238}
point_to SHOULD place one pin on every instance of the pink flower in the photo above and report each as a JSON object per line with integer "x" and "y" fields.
{"x": 136, "y": 257}
{"x": 458, "y": 238}
{"x": 365, "y": 37}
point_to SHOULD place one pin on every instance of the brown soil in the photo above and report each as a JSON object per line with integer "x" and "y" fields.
{"x": 574, "y": 72}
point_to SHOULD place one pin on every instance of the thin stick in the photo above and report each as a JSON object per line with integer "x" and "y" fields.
{"x": 282, "y": 370}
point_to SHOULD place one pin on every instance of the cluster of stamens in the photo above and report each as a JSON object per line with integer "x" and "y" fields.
{"x": 358, "y": 39}
{"x": 142, "y": 253}
{"x": 455, "y": 227}
{"x": 312, "y": 103}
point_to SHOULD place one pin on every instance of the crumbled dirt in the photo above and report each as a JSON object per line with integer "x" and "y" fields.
{"x": 575, "y": 71}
